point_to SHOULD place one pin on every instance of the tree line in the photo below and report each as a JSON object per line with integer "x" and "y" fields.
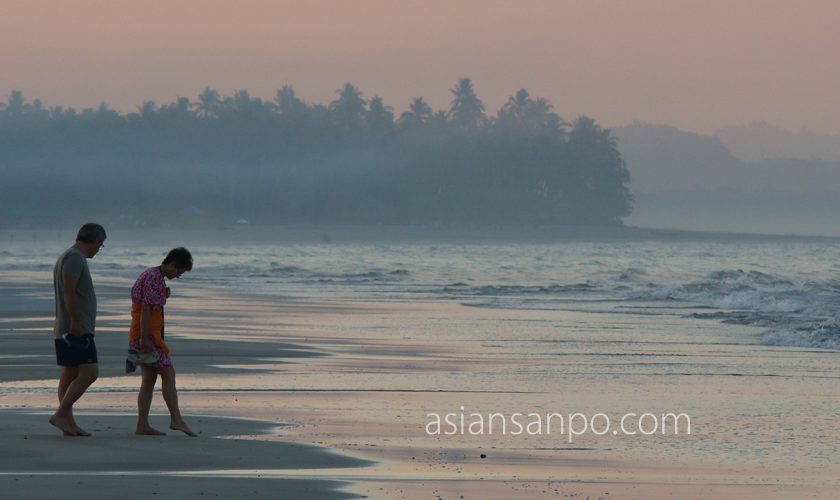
{"x": 353, "y": 160}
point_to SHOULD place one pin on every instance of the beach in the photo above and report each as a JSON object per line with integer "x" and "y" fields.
{"x": 321, "y": 391}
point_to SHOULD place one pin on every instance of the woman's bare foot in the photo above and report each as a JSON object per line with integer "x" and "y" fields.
{"x": 181, "y": 426}
{"x": 65, "y": 425}
{"x": 147, "y": 430}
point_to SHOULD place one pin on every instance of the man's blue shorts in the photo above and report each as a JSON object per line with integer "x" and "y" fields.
{"x": 71, "y": 356}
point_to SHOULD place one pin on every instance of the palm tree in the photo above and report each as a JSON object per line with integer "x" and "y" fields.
{"x": 523, "y": 112}
{"x": 16, "y": 105}
{"x": 419, "y": 113}
{"x": 101, "y": 116}
{"x": 59, "y": 113}
{"x": 243, "y": 106}
{"x": 379, "y": 118}
{"x": 208, "y": 103}
{"x": 515, "y": 110}
{"x": 467, "y": 110}
{"x": 179, "y": 110}
{"x": 288, "y": 103}
{"x": 349, "y": 109}
{"x": 541, "y": 114}
{"x": 147, "y": 110}
{"x": 599, "y": 168}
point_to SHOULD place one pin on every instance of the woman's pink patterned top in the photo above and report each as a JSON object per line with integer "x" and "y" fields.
{"x": 150, "y": 288}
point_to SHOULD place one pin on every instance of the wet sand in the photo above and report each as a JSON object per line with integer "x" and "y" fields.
{"x": 329, "y": 398}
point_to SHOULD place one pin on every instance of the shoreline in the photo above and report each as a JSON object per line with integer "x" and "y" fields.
{"x": 310, "y": 233}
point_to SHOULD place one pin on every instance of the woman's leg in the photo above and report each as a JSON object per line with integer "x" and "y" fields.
{"x": 170, "y": 395}
{"x": 144, "y": 401}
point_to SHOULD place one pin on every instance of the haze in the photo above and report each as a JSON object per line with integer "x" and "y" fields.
{"x": 695, "y": 65}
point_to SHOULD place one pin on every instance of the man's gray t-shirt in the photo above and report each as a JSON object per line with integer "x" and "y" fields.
{"x": 74, "y": 263}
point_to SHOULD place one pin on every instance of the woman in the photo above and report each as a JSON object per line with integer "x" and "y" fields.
{"x": 148, "y": 296}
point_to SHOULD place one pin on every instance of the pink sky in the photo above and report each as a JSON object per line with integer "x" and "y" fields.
{"x": 698, "y": 65}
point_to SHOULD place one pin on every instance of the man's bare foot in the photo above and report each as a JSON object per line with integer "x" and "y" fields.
{"x": 74, "y": 424}
{"x": 80, "y": 431}
{"x": 147, "y": 430}
{"x": 183, "y": 428}
{"x": 64, "y": 424}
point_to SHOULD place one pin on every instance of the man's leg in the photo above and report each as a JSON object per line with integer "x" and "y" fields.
{"x": 68, "y": 374}
{"x": 144, "y": 402}
{"x": 63, "y": 417}
{"x": 170, "y": 395}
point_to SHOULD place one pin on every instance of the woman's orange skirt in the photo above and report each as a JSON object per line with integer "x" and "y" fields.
{"x": 155, "y": 326}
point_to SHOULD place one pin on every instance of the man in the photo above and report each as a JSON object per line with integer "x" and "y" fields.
{"x": 75, "y": 322}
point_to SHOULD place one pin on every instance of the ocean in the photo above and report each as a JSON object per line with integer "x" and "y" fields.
{"x": 787, "y": 288}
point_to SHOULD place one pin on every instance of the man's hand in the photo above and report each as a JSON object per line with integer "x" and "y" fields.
{"x": 75, "y": 329}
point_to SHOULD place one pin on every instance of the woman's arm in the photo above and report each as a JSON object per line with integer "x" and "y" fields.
{"x": 145, "y": 315}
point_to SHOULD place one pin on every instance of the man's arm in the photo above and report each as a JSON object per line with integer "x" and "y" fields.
{"x": 70, "y": 283}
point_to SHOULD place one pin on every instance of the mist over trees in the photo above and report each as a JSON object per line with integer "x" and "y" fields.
{"x": 353, "y": 160}
{"x": 693, "y": 181}
{"x": 762, "y": 141}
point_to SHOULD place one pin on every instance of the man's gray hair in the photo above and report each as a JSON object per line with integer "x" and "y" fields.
{"x": 91, "y": 233}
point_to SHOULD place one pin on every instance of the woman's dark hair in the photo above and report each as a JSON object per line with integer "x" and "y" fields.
{"x": 181, "y": 257}
{"x": 91, "y": 233}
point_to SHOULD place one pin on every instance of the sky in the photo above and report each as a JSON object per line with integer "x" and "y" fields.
{"x": 696, "y": 65}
